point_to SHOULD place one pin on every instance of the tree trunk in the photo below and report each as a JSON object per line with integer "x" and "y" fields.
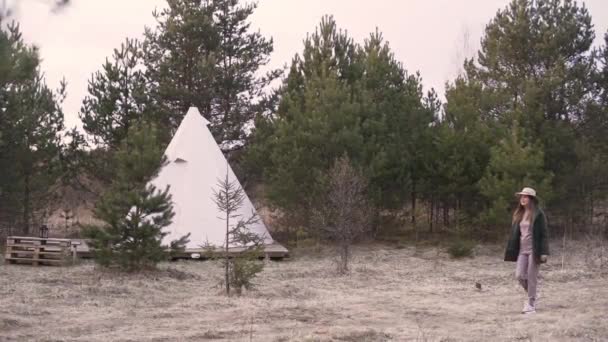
{"x": 26, "y": 206}
{"x": 457, "y": 212}
{"x": 414, "y": 203}
{"x": 446, "y": 214}
{"x": 375, "y": 222}
{"x": 564, "y": 243}
{"x": 226, "y": 259}
{"x": 344, "y": 258}
{"x": 431, "y": 212}
{"x": 414, "y": 213}
{"x": 591, "y": 206}
{"x": 601, "y": 237}
{"x": 437, "y": 212}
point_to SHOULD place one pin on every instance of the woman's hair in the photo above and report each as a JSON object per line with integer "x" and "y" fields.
{"x": 518, "y": 214}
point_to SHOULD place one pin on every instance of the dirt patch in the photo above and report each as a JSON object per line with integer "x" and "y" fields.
{"x": 7, "y": 324}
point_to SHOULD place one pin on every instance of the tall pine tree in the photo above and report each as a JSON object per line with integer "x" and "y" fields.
{"x": 316, "y": 122}
{"x": 536, "y": 63}
{"x": 117, "y": 98}
{"x": 395, "y": 120}
{"x": 341, "y": 97}
{"x": 205, "y": 54}
{"x": 513, "y": 164}
{"x": 31, "y": 120}
{"x": 462, "y": 144}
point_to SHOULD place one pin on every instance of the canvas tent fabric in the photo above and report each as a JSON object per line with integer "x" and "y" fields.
{"x": 194, "y": 166}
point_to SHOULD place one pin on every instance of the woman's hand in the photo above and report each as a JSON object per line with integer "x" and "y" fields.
{"x": 543, "y": 258}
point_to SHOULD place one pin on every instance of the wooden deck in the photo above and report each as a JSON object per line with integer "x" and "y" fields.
{"x": 39, "y": 251}
{"x": 272, "y": 251}
{"x": 21, "y": 250}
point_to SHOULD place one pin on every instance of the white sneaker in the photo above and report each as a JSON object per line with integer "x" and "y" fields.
{"x": 528, "y": 309}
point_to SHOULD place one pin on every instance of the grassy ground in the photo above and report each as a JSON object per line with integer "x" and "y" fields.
{"x": 390, "y": 295}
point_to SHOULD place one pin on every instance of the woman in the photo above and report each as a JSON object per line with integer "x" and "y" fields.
{"x": 528, "y": 245}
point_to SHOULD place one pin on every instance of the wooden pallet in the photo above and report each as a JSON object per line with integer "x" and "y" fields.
{"x": 38, "y": 251}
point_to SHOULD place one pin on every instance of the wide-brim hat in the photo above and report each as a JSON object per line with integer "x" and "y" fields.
{"x": 526, "y": 192}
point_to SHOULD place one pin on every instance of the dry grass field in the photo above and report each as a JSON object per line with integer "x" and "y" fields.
{"x": 390, "y": 295}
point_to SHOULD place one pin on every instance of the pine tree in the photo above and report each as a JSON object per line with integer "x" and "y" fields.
{"x": 325, "y": 129}
{"x": 395, "y": 123}
{"x": 396, "y": 118}
{"x": 595, "y": 124}
{"x": 591, "y": 147}
{"x": 240, "y": 269}
{"x": 537, "y": 65}
{"x": 518, "y": 59}
{"x": 30, "y": 124}
{"x": 602, "y": 73}
{"x": 513, "y": 165}
{"x": 462, "y": 144}
{"x": 204, "y": 54}
{"x": 117, "y": 101}
{"x": 134, "y": 212}
{"x": 341, "y": 97}
{"x": 117, "y": 98}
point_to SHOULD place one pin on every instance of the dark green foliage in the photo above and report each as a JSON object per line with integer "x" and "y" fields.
{"x": 512, "y": 163}
{"x": 134, "y": 212}
{"x": 244, "y": 268}
{"x": 460, "y": 248}
{"x": 395, "y": 118}
{"x": 536, "y": 64}
{"x": 117, "y": 98}
{"x": 31, "y": 121}
{"x": 461, "y": 148}
{"x": 205, "y": 54}
{"x": 201, "y": 53}
{"x": 525, "y": 112}
{"x": 341, "y": 97}
{"x": 531, "y": 109}
{"x": 317, "y": 121}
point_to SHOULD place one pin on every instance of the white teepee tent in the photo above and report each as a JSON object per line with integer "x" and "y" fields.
{"x": 194, "y": 165}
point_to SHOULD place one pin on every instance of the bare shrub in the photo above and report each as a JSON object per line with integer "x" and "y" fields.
{"x": 344, "y": 214}
{"x": 596, "y": 253}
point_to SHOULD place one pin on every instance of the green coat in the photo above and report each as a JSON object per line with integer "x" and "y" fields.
{"x": 540, "y": 238}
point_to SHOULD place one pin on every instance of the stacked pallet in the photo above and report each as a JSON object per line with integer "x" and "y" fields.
{"x": 37, "y": 251}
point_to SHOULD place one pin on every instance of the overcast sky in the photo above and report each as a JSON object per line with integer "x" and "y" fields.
{"x": 426, "y": 35}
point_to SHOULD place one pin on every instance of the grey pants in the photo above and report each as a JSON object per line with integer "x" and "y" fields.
{"x": 527, "y": 274}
